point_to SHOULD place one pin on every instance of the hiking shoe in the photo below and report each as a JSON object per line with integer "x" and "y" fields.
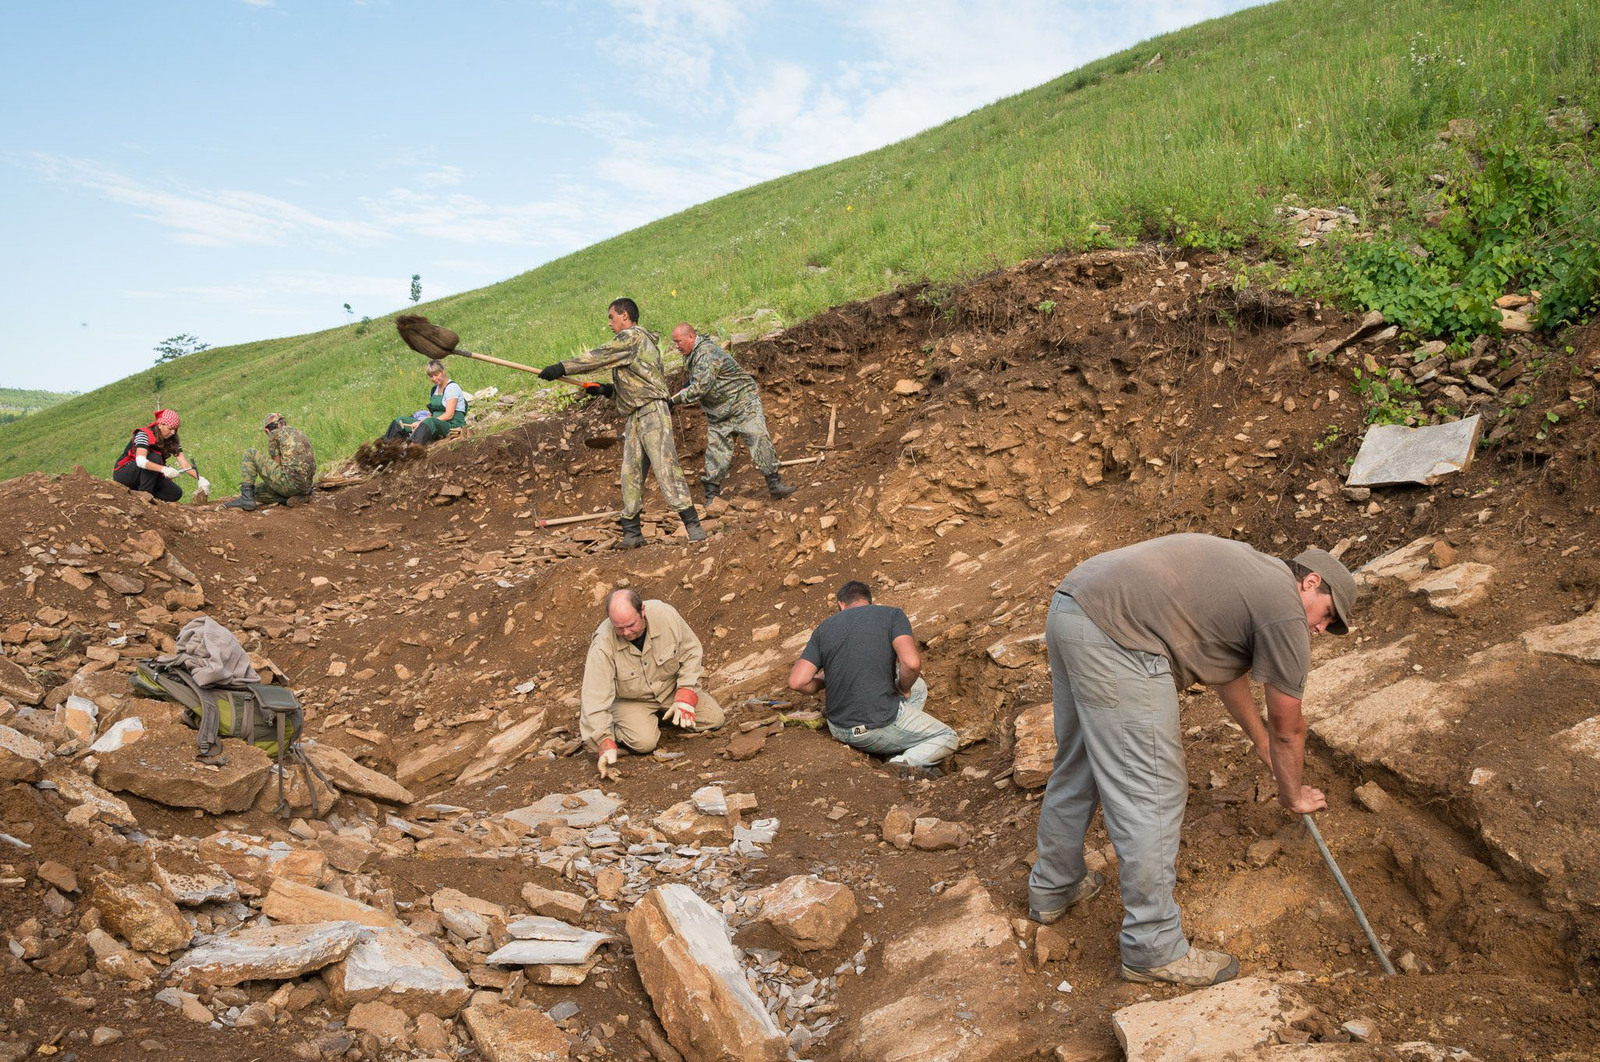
{"x": 1197, "y": 969}
{"x": 906, "y": 770}
{"x": 1087, "y": 888}
{"x": 214, "y": 758}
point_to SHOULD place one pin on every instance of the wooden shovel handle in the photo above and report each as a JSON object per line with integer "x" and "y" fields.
{"x": 512, "y": 365}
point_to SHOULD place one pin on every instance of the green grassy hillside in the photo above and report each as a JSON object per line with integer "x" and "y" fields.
{"x": 18, "y": 402}
{"x": 1326, "y": 102}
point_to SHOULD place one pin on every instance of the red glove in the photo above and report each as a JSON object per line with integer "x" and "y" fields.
{"x": 682, "y": 711}
{"x": 607, "y": 757}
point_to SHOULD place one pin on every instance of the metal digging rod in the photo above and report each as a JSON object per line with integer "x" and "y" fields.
{"x": 1349, "y": 897}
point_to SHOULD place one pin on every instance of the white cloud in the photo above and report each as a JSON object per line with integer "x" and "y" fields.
{"x": 222, "y": 218}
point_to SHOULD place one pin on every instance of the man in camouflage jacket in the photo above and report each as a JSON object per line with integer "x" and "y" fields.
{"x": 285, "y": 471}
{"x": 640, "y": 384}
{"x": 732, "y": 406}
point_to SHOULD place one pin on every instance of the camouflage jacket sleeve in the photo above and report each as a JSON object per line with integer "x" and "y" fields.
{"x": 702, "y": 377}
{"x": 622, "y": 350}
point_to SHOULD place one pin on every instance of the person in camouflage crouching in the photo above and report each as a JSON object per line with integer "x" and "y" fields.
{"x": 732, "y": 404}
{"x": 282, "y": 474}
{"x": 640, "y": 385}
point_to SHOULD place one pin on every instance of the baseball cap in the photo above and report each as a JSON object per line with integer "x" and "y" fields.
{"x": 1340, "y": 583}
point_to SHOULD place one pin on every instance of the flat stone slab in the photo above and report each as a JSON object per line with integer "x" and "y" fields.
{"x": 1578, "y": 640}
{"x": 547, "y": 942}
{"x": 1390, "y": 726}
{"x": 351, "y": 777}
{"x": 951, "y": 985}
{"x": 92, "y": 803}
{"x": 1018, "y": 651}
{"x": 161, "y": 767}
{"x": 267, "y": 953}
{"x": 401, "y": 969}
{"x": 1393, "y": 453}
{"x": 185, "y": 878}
{"x": 21, "y": 757}
{"x": 1034, "y": 753}
{"x": 685, "y": 823}
{"x": 695, "y": 980}
{"x": 1583, "y": 738}
{"x": 1406, "y": 564}
{"x": 18, "y": 685}
{"x": 1456, "y": 588}
{"x": 293, "y": 903}
{"x": 1227, "y": 1020}
{"x": 515, "y": 1034}
{"x": 588, "y": 807}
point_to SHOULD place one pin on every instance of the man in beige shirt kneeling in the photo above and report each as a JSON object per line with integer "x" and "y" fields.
{"x": 645, "y": 665}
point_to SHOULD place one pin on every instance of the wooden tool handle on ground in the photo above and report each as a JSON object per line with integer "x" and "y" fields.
{"x": 558, "y": 521}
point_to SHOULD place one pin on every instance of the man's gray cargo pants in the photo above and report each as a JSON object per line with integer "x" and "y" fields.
{"x": 1118, "y": 744}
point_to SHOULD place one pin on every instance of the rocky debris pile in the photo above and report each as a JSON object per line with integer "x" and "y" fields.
{"x": 1315, "y": 223}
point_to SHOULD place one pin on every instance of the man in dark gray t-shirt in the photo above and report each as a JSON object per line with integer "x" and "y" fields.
{"x": 866, "y": 658}
{"x": 1126, "y": 630}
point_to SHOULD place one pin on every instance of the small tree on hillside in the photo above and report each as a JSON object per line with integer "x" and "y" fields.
{"x": 416, "y": 287}
{"x": 177, "y": 346}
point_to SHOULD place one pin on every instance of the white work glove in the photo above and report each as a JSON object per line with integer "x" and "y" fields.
{"x": 170, "y": 472}
{"x": 681, "y": 714}
{"x": 205, "y": 484}
{"x": 607, "y": 759}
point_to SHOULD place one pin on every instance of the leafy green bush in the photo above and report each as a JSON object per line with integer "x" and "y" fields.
{"x": 1516, "y": 224}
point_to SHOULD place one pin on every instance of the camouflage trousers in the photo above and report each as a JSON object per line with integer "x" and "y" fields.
{"x": 647, "y": 443}
{"x": 272, "y": 483}
{"x": 747, "y": 423}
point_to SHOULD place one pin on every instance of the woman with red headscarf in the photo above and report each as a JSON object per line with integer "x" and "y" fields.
{"x": 148, "y": 462}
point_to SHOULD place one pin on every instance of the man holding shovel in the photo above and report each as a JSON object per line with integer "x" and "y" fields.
{"x": 634, "y": 359}
{"x": 1126, "y": 631}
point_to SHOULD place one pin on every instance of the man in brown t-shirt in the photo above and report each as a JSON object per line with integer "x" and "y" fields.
{"x": 1127, "y": 629}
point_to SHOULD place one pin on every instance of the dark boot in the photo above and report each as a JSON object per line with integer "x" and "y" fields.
{"x": 246, "y": 499}
{"x": 777, "y": 487}
{"x": 691, "y": 524}
{"x": 712, "y": 489}
{"x": 632, "y": 536}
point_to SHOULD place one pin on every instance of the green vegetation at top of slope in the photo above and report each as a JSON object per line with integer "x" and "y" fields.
{"x": 1317, "y": 102}
{"x": 22, "y": 400}
{"x": 18, "y": 402}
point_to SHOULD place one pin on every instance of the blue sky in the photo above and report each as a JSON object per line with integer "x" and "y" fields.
{"x": 240, "y": 169}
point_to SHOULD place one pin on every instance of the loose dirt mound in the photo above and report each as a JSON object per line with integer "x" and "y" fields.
{"x": 985, "y": 441}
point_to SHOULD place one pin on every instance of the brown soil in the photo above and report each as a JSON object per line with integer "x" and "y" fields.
{"x": 1145, "y": 401}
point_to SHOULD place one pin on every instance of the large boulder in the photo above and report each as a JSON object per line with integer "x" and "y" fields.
{"x": 397, "y": 967}
{"x": 267, "y": 953}
{"x": 515, "y": 1034}
{"x": 808, "y": 912}
{"x": 161, "y": 767}
{"x": 139, "y": 914}
{"x": 695, "y": 981}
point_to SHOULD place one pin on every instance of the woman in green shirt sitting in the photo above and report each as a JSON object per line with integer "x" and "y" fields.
{"x": 447, "y": 409}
